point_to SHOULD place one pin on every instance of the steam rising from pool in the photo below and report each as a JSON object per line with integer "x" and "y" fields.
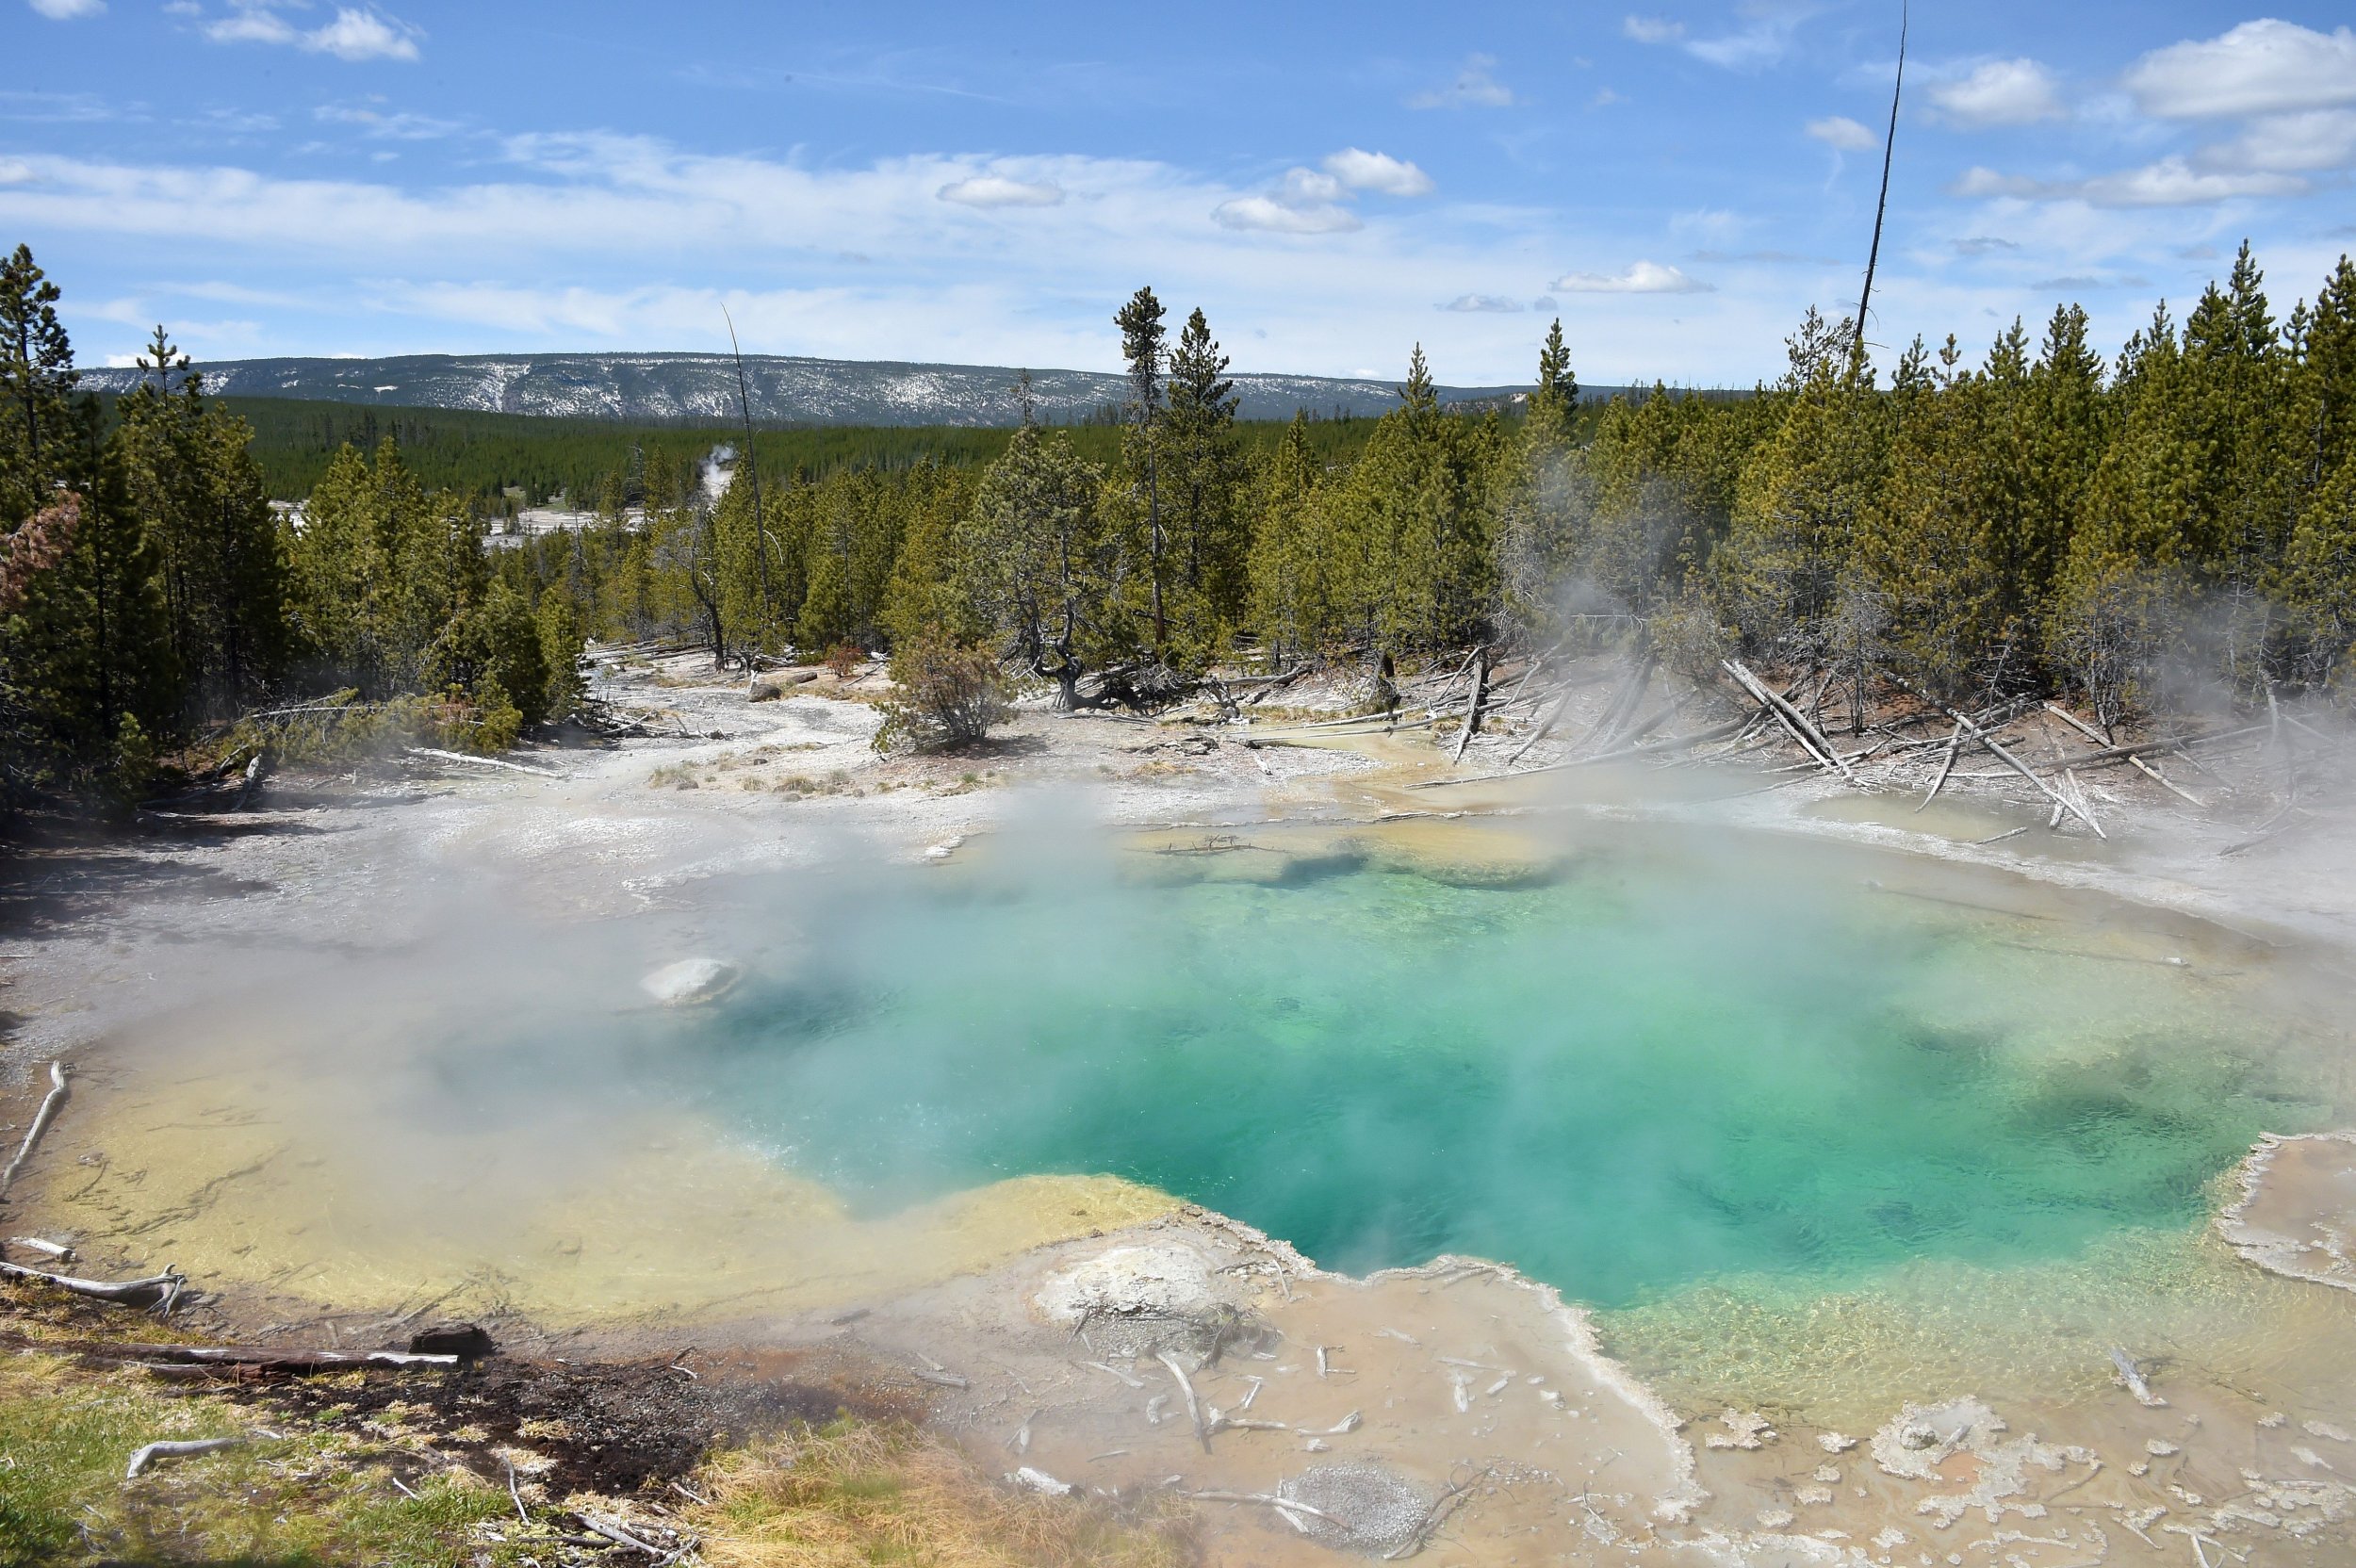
{"x": 1705, "y": 1082}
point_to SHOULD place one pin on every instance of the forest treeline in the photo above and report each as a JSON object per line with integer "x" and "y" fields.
{"x": 498, "y": 464}
{"x": 2174, "y": 525}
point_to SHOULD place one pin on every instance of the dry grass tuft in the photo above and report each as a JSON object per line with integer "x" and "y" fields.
{"x": 851, "y": 1494}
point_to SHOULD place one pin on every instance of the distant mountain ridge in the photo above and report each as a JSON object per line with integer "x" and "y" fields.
{"x": 785, "y": 390}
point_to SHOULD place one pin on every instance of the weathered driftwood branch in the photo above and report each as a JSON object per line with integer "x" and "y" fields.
{"x": 1286, "y": 1506}
{"x": 479, "y": 761}
{"x": 49, "y": 1104}
{"x": 47, "y": 1248}
{"x": 185, "y": 1450}
{"x": 621, "y": 1537}
{"x": 1946, "y": 766}
{"x": 163, "y": 1288}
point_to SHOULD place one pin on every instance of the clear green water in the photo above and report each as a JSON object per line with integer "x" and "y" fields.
{"x": 1657, "y": 1072}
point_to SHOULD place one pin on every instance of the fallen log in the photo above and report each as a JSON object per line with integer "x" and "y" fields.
{"x": 41, "y": 1117}
{"x": 2014, "y": 763}
{"x": 260, "y": 1359}
{"x": 1791, "y": 719}
{"x": 2126, "y": 755}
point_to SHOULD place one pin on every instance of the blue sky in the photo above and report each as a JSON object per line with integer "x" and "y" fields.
{"x": 984, "y": 184}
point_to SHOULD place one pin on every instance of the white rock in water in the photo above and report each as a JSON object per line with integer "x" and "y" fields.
{"x": 690, "y": 981}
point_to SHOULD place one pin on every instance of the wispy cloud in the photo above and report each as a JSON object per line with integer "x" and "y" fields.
{"x": 1475, "y": 86}
{"x": 1763, "y": 39}
{"x": 996, "y": 190}
{"x": 1842, "y": 133}
{"x": 68, "y": 10}
{"x": 1771, "y": 259}
{"x": 355, "y": 34}
{"x": 1999, "y": 92}
{"x": 1483, "y": 304}
{"x": 40, "y": 107}
{"x": 2170, "y": 183}
{"x": 392, "y": 125}
{"x": 1643, "y": 277}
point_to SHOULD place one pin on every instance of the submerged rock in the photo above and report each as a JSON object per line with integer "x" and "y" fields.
{"x": 691, "y": 981}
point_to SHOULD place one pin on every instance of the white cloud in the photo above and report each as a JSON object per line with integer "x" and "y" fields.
{"x": 2170, "y": 183}
{"x": 1653, "y": 29}
{"x": 1273, "y": 216}
{"x": 252, "y": 24}
{"x": 355, "y": 34}
{"x": 1311, "y": 200}
{"x": 1364, "y": 170}
{"x": 1644, "y": 277}
{"x": 364, "y": 34}
{"x": 1482, "y": 304}
{"x": 1842, "y": 133}
{"x": 14, "y": 171}
{"x": 996, "y": 190}
{"x": 1474, "y": 87}
{"x": 68, "y": 10}
{"x": 2001, "y": 92}
{"x": 2263, "y": 67}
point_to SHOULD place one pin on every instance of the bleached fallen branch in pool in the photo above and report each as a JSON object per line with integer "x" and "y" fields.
{"x": 2132, "y": 1374}
{"x": 41, "y": 1117}
{"x": 1269, "y": 1499}
{"x": 165, "y": 1287}
{"x": 1186, "y": 1386}
{"x": 479, "y": 761}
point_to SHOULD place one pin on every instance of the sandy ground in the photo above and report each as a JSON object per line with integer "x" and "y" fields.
{"x": 1488, "y": 1426}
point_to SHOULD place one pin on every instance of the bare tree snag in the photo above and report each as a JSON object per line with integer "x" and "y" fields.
{"x": 1472, "y": 708}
